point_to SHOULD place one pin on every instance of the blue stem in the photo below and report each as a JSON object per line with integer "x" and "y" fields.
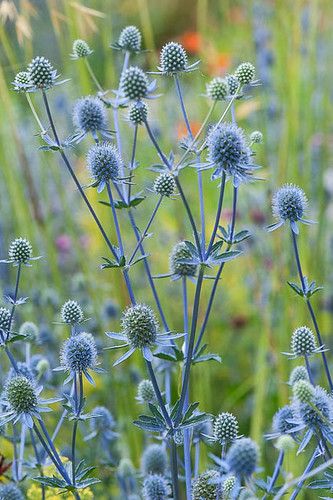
{"x": 276, "y": 472}
{"x": 218, "y": 214}
{"x": 306, "y": 471}
{"x": 187, "y": 435}
{"x": 14, "y": 299}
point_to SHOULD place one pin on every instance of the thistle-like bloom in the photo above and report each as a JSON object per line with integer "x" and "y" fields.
{"x": 206, "y": 486}
{"x": 256, "y": 137}
{"x": 218, "y": 89}
{"x": 80, "y": 49}
{"x": 22, "y": 82}
{"x": 298, "y": 373}
{"x": 155, "y": 487}
{"x": 138, "y": 113}
{"x": 289, "y": 203}
{"x": 102, "y": 424}
{"x": 146, "y": 393}
{"x": 242, "y": 457}
{"x": 129, "y": 40}
{"x": 10, "y": 491}
{"x": 225, "y": 428}
{"x": 165, "y": 185}
{"x": 29, "y": 330}
{"x": 245, "y": 73}
{"x": 134, "y": 83}
{"x": 303, "y": 343}
{"x": 283, "y": 422}
{"x": 233, "y": 84}
{"x": 230, "y": 153}
{"x": 285, "y": 443}
{"x": 104, "y": 162}
{"x": 22, "y": 402}
{"x": 22, "y": 369}
{"x": 42, "y": 75}
{"x": 5, "y": 316}
{"x": 89, "y": 116}
{"x": 228, "y": 486}
{"x": 140, "y": 331}
{"x": 79, "y": 355}
{"x": 181, "y": 261}
{"x": 303, "y": 391}
{"x": 173, "y": 60}
{"x": 154, "y": 460}
{"x": 20, "y": 253}
{"x": 71, "y": 313}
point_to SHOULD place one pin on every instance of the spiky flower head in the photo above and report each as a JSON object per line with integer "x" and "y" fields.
{"x": 134, "y": 83}
{"x": 228, "y": 150}
{"x": 218, "y": 89}
{"x": 79, "y": 353}
{"x": 81, "y": 49}
{"x": 289, "y": 203}
{"x": 103, "y": 420}
{"x": 41, "y": 73}
{"x": 303, "y": 341}
{"x": 206, "y": 486}
{"x": 165, "y": 184}
{"x": 303, "y": 391}
{"x": 146, "y": 393}
{"x": 298, "y": 373}
{"x": 130, "y": 39}
{"x": 71, "y": 312}
{"x": 282, "y": 420}
{"x": 20, "y": 251}
{"x": 155, "y": 487}
{"x": 103, "y": 162}
{"x": 22, "y": 369}
{"x": 318, "y": 410}
{"x": 285, "y": 443}
{"x": 245, "y": 73}
{"x": 179, "y": 253}
{"x": 225, "y": 428}
{"x": 10, "y": 491}
{"x": 256, "y": 137}
{"x": 89, "y": 114}
{"x": 233, "y": 84}
{"x": 242, "y": 457}
{"x": 138, "y": 113}
{"x": 29, "y": 330}
{"x": 154, "y": 460}
{"x": 21, "y": 395}
{"x": 173, "y": 58}
{"x": 227, "y": 487}
{"x": 5, "y": 316}
{"x": 140, "y": 325}
{"x": 22, "y": 81}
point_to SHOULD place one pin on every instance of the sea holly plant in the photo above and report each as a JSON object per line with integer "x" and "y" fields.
{"x": 175, "y": 427}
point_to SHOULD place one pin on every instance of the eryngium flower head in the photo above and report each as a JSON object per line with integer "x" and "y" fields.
{"x": 80, "y": 49}
{"x": 233, "y": 84}
{"x": 146, "y": 393}
{"x": 242, "y": 457}
{"x": 5, "y": 316}
{"x": 71, "y": 312}
{"x": 245, "y": 73}
{"x": 21, "y": 395}
{"x": 138, "y": 113}
{"x": 285, "y": 443}
{"x": 229, "y": 152}
{"x": 134, "y": 83}
{"x": 79, "y": 353}
{"x": 130, "y": 39}
{"x": 173, "y": 58}
{"x": 154, "y": 460}
{"x": 282, "y": 420}
{"x": 225, "y": 428}
{"x": 218, "y": 89}
{"x": 103, "y": 162}
{"x": 206, "y": 486}
{"x": 22, "y": 81}
{"x": 319, "y": 411}
{"x": 89, "y": 114}
{"x": 23, "y": 370}
{"x": 289, "y": 203}
{"x": 227, "y": 487}
{"x": 303, "y": 391}
{"x": 10, "y": 492}
{"x": 41, "y": 73}
{"x": 179, "y": 253}
{"x": 256, "y": 137}
{"x": 165, "y": 185}
{"x": 303, "y": 341}
{"x": 155, "y": 487}
{"x": 103, "y": 422}
{"x": 20, "y": 251}
{"x": 298, "y": 373}
{"x": 29, "y": 330}
{"x": 140, "y": 325}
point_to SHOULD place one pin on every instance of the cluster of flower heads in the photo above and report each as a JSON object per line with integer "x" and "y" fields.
{"x": 40, "y": 75}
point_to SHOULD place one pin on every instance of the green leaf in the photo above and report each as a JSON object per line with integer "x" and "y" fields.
{"x": 296, "y": 288}
{"x": 53, "y": 482}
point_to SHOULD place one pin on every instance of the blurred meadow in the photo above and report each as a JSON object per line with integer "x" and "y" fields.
{"x": 255, "y": 311}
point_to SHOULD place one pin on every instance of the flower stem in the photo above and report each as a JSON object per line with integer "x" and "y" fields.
{"x": 93, "y": 76}
{"x": 218, "y": 214}
{"x": 18, "y": 275}
{"x": 187, "y": 436}
{"x": 34, "y": 112}
{"x": 276, "y": 473}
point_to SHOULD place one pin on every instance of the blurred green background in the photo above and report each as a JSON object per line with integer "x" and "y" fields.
{"x": 255, "y": 311}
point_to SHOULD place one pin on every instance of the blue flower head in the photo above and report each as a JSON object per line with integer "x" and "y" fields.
{"x": 146, "y": 393}
{"x": 89, "y": 116}
{"x": 282, "y": 420}
{"x": 298, "y": 373}
{"x": 155, "y": 487}
{"x": 154, "y": 460}
{"x": 42, "y": 75}
{"x": 104, "y": 162}
{"x": 181, "y": 261}
{"x": 134, "y": 83}
{"x": 10, "y": 491}
{"x": 71, "y": 312}
{"x": 130, "y": 39}
{"x": 79, "y": 355}
{"x": 242, "y": 457}
{"x": 206, "y": 486}
{"x": 80, "y": 49}
{"x": 225, "y": 428}
{"x": 173, "y": 60}
{"x": 289, "y": 203}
